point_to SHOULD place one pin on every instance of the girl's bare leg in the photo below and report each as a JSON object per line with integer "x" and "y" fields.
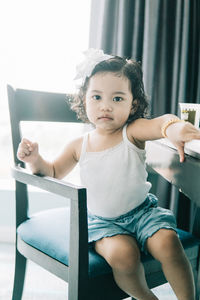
{"x": 123, "y": 255}
{"x": 165, "y": 246}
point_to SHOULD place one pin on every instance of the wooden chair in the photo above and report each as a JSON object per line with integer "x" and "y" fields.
{"x": 57, "y": 239}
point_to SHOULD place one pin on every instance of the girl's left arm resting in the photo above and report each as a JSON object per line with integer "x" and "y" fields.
{"x": 149, "y": 129}
{"x": 167, "y": 125}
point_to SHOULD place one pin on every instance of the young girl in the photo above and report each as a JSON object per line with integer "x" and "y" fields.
{"x": 123, "y": 217}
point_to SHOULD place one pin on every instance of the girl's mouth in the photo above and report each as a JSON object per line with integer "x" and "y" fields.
{"x": 105, "y": 118}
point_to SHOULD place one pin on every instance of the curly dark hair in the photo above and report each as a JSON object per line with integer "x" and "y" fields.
{"x": 121, "y": 67}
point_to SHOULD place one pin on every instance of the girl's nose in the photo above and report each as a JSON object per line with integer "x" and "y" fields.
{"x": 106, "y": 106}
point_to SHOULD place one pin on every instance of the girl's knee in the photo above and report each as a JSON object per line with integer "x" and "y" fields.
{"x": 123, "y": 255}
{"x": 164, "y": 244}
{"x": 126, "y": 259}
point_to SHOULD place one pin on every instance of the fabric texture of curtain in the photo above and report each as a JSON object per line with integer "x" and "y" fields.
{"x": 164, "y": 36}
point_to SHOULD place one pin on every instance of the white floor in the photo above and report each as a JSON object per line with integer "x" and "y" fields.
{"x": 42, "y": 285}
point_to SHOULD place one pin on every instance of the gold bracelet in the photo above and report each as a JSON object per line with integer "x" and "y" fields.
{"x": 167, "y": 124}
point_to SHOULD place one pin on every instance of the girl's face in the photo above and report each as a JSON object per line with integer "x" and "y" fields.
{"x": 108, "y": 100}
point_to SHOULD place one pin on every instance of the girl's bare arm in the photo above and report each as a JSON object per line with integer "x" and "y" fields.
{"x": 178, "y": 133}
{"x": 67, "y": 160}
{"x": 28, "y": 152}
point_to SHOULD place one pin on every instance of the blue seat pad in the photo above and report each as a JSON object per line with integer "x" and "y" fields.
{"x": 48, "y": 231}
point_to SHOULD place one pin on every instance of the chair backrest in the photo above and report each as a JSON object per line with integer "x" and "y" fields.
{"x": 29, "y": 105}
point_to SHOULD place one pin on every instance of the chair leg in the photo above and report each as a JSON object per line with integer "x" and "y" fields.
{"x": 20, "y": 269}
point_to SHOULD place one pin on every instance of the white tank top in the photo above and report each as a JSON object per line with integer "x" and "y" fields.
{"x": 116, "y": 178}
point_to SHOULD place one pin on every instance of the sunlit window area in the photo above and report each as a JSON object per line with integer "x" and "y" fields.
{"x": 40, "y": 45}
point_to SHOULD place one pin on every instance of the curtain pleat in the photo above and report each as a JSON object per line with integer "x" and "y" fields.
{"x": 138, "y": 30}
{"x": 110, "y": 26}
{"x": 151, "y": 28}
{"x": 176, "y": 58}
{"x": 124, "y": 28}
{"x": 184, "y": 52}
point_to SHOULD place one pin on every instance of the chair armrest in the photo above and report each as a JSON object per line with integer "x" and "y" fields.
{"x": 78, "y": 251}
{"x": 47, "y": 183}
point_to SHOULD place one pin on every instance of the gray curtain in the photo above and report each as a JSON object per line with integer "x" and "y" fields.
{"x": 164, "y": 36}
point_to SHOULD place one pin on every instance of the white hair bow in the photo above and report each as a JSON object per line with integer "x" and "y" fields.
{"x": 92, "y": 58}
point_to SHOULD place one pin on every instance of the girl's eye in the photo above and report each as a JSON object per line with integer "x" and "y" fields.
{"x": 117, "y": 99}
{"x": 96, "y": 97}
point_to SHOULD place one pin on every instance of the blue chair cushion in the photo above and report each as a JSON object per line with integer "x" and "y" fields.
{"x": 48, "y": 231}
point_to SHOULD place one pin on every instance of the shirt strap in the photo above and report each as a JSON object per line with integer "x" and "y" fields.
{"x": 84, "y": 146}
{"x": 124, "y": 134}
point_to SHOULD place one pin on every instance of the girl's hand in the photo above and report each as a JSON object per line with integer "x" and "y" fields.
{"x": 180, "y": 133}
{"x": 28, "y": 151}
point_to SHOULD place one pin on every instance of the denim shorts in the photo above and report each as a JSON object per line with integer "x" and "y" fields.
{"x": 141, "y": 223}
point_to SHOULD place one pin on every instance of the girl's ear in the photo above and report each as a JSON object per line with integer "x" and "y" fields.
{"x": 134, "y": 107}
